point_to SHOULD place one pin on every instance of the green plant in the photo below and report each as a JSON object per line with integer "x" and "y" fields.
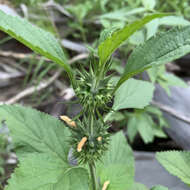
{"x": 5, "y": 149}
{"x": 142, "y": 122}
{"x": 177, "y": 163}
{"x": 43, "y": 143}
{"x": 166, "y": 80}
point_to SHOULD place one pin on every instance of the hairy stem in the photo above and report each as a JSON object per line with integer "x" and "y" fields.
{"x": 93, "y": 175}
{"x": 92, "y": 164}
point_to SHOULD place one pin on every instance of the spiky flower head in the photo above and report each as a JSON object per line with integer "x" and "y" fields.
{"x": 93, "y": 89}
{"x": 89, "y": 147}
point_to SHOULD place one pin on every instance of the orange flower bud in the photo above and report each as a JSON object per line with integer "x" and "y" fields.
{"x": 81, "y": 144}
{"x": 68, "y": 120}
{"x": 105, "y": 185}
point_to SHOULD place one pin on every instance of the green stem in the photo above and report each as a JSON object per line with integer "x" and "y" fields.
{"x": 92, "y": 123}
{"x": 93, "y": 176}
{"x": 92, "y": 164}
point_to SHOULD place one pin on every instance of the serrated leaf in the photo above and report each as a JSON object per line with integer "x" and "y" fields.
{"x": 73, "y": 178}
{"x": 35, "y": 38}
{"x": 159, "y": 187}
{"x": 176, "y": 163}
{"x": 35, "y": 171}
{"x": 139, "y": 186}
{"x": 158, "y": 50}
{"x": 107, "y": 47}
{"x": 133, "y": 94}
{"x": 117, "y": 165}
{"x": 43, "y": 171}
{"x": 42, "y": 147}
{"x": 34, "y": 131}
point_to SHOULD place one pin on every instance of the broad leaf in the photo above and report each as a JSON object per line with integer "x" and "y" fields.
{"x": 42, "y": 147}
{"x": 33, "y": 131}
{"x": 145, "y": 128}
{"x": 159, "y": 187}
{"x": 117, "y": 165}
{"x": 133, "y": 94}
{"x": 160, "y": 49}
{"x": 177, "y": 163}
{"x": 35, "y": 38}
{"x": 42, "y": 171}
{"x": 152, "y": 27}
{"x": 141, "y": 121}
{"x": 107, "y": 47}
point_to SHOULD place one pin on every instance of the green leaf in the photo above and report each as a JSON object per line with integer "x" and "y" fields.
{"x": 139, "y": 186}
{"x": 34, "y": 170}
{"x": 176, "y": 163}
{"x": 149, "y": 4}
{"x": 132, "y": 128}
{"x": 42, "y": 147}
{"x": 154, "y": 73}
{"x": 133, "y": 94}
{"x": 173, "y": 80}
{"x": 159, "y": 187}
{"x": 137, "y": 38}
{"x": 107, "y": 47}
{"x": 34, "y": 131}
{"x": 141, "y": 122}
{"x": 73, "y": 178}
{"x": 145, "y": 128}
{"x": 43, "y": 171}
{"x": 160, "y": 49}
{"x": 117, "y": 165}
{"x": 122, "y": 14}
{"x": 152, "y": 27}
{"x": 35, "y": 38}
{"x": 174, "y": 21}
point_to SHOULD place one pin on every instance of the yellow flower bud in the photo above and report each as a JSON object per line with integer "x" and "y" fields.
{"x": 81, "y": 144}
{"x": 105, "y": 185}
{"x": 99, "y": 139}
{"x": 68, "y": 121}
